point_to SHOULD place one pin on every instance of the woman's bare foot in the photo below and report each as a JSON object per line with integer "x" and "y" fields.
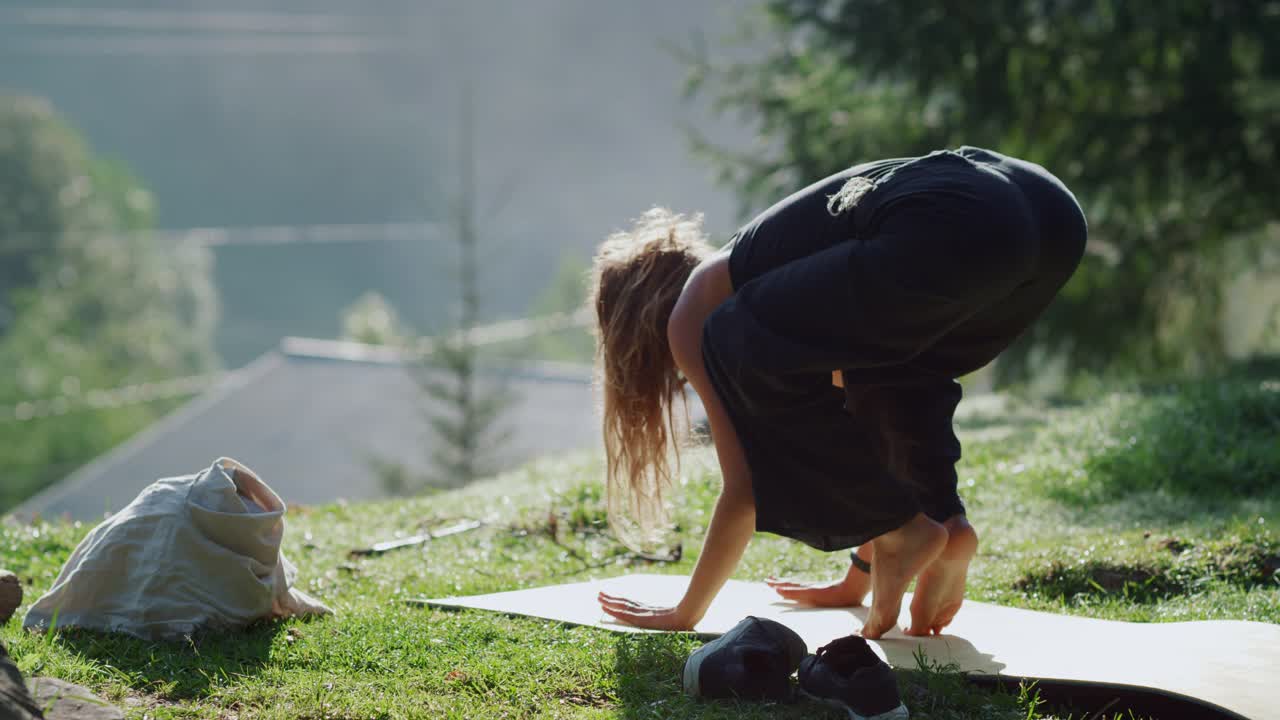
{"x": 847, "y": 592}
{"x": 940, "y": 590}
{"x": 900, "y": 555}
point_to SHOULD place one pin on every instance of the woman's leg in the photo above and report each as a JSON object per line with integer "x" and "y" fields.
{"x": 919, "y": 445}
{"x": 816, "y": 472}
{"x": 939, "y": 591}
{"x": 769, "y": 351}
{"x": 869, "y": 309}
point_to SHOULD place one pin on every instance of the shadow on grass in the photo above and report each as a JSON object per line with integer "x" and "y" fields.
{"x": 177, "y": 670}
{"x": 648, "y": 672}
{"x": 1242, "y": 562}
{"x": 650, "y": 687}
{"x": 648, "y": 668}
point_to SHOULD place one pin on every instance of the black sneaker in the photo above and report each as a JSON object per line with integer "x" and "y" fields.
{"x": 753, "y": 661}
{"x": 847, "y": 673}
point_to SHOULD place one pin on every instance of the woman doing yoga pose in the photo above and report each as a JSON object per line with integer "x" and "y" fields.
{"x": 825, "y": 340}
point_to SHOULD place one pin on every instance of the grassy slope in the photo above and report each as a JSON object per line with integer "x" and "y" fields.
{"x": 1133, "y": 508}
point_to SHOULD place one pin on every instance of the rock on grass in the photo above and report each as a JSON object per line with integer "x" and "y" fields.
{"x": 61, "y": 700}
{"x": 10, "y": 595}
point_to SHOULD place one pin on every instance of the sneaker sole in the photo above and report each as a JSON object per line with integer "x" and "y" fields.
{"x": 691, "y": 668}
{"x": 898, "y": 713}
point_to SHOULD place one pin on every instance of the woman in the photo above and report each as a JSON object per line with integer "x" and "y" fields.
{"x": 824, "y": 341}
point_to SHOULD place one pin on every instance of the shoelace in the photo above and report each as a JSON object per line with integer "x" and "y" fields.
{"x": 848, "y": 653}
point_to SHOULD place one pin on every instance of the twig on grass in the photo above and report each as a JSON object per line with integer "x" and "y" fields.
{"x": 390, "y": 545}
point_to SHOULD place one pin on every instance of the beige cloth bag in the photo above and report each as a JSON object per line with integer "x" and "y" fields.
{"x": 191, "y": 552}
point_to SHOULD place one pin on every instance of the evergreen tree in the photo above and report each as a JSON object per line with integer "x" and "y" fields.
{"x": 463, "y": 409}
{"x": 1164, "y": 119}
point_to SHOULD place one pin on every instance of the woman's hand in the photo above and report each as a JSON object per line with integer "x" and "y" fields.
{"x": 652, "y": 617}
{"x": 846, "y": 592}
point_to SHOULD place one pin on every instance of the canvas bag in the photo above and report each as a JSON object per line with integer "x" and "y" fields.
{"x": 190, "y": 552}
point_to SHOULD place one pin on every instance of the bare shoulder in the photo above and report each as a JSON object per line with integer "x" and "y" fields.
{"x": 708, "y": 286}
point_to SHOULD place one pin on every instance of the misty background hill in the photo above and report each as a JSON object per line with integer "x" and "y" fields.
{"x": 283, "y": 113}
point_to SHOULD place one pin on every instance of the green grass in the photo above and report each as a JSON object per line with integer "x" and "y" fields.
{"x": 1075, "y": 516}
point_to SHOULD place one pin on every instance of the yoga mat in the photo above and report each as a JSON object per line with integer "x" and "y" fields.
{"x": 1232, "y": 668}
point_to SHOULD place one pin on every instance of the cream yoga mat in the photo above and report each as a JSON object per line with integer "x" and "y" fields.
{"x": 1232, "y": 665}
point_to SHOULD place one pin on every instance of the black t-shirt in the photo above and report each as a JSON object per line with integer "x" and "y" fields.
{"x": 798, "y": 225}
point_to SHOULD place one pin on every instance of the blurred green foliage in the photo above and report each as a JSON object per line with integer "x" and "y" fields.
{"x": 566, "y": 293}
{"x": 372, "y": 320}
{"x": 1164, "y": 120}
{"x": 88, "y": 300}
{"x": 1206, "y": 439}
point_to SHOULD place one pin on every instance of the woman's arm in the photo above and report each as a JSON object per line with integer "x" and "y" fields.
{"x": 734, "y": 517}
{"x": 733, "y": 521}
